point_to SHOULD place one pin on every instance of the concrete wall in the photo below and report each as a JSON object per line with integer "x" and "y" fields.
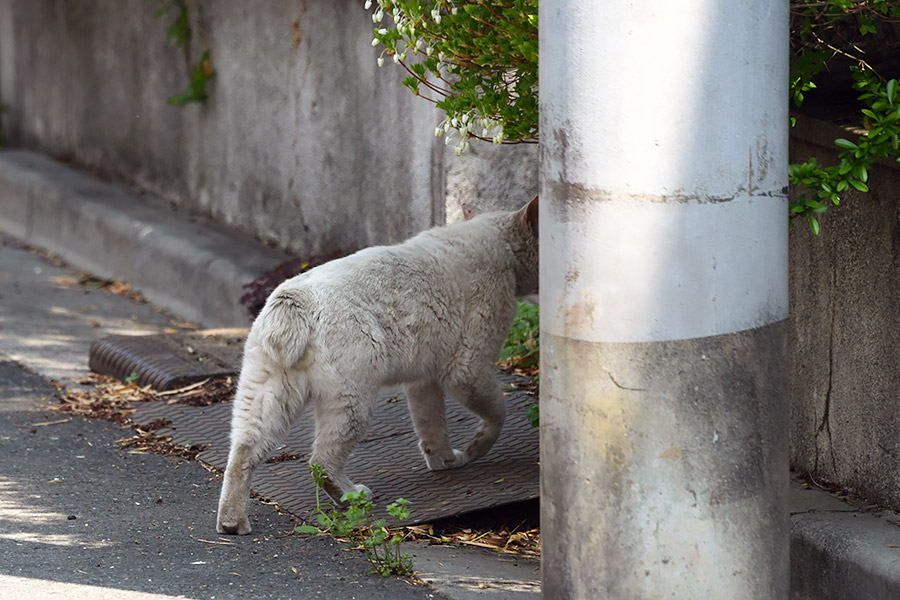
{"x": 489, "y": 177}
{"x": 845, "y": 332}
{"x": 304, "y": 142}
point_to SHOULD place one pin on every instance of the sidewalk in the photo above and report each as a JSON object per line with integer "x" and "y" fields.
{"x": 837, "y": 550}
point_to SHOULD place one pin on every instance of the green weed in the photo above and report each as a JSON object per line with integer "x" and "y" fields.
{"x": 357, "y": 523}
{"x": 522, "y": 346}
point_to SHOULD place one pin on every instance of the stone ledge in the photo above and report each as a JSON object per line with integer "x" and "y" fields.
{"x": 839, "y": 551}
{"x": 187, "y": 266}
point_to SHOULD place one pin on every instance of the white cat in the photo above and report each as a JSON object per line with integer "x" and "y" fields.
{"x": 430, "y": 313}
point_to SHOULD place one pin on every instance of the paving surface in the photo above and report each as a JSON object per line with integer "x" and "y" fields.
{"x": 81, "y": 519}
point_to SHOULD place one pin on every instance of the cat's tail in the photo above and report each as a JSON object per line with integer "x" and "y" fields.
{"x": 283, "y": 328}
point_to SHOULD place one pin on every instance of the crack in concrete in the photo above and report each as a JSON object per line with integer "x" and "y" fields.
{"x": 825, "y": 424}
{"x": 622, "y": 387}
{"x": 821, "y": 511}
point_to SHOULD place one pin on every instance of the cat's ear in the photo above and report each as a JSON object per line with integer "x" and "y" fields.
{"x": 528, "y": 217}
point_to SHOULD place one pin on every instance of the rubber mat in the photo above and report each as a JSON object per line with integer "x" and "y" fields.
{"x": 387, "y": 461}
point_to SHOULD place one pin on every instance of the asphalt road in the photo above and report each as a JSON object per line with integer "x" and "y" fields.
{"x": 82, "y": 518}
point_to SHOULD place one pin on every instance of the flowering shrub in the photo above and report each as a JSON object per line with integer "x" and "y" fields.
{"x": 476, "y": 60}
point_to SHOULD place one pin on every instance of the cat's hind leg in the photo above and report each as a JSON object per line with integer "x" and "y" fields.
{"x": 429, "y": 417}
{"x": 265, "y": 406}
{"x": 341, "y": 422}
{"x": 481, "y": 395}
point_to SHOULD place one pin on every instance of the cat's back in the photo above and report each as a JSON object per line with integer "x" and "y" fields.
{"x": 440, "y": 262}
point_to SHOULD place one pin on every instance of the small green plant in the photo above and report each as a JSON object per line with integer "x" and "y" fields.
{"x": 522, "y": 346}
{"x": 521, "y": 350}
{"x": 357, "y": 523}
{"x": 132, "y": 377}
{"x": 179, "y": 34}
{"x": 382, "y": 548}
{"x": 333, "y": 522}
{"x": 195, "y": 91}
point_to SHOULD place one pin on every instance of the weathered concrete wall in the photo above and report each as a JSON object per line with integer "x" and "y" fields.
{"x": 845, "y": 332}
{"x": 303, "y": 142}
{"x": 488, "y": 177}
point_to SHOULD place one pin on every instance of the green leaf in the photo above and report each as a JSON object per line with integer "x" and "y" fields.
{"x": 859, "y": 185}
{"x": 307, "y": 529}
{"x": 891, "y": 88}
{"x": 845, "y": 144}
{"x": 813, "y": 224}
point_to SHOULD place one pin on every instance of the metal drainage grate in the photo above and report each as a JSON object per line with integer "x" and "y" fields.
{"x": 170, "y": 360}
{"x": 388, "y": 460}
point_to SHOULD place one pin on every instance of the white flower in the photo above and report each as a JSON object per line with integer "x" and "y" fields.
{"x": 396, "y": 58}
{"x": 374, "y": 41}
{"x": 382, "y": 31}
{"x": 368, "y": 4}
{"x": 378, "y": 15}
{"x": 403, "y": 56}
{"x": 438, "y": 131}
{"x": 380, "y": 61}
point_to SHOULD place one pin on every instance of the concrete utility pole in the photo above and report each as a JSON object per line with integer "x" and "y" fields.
{"x": 664, "y": 438}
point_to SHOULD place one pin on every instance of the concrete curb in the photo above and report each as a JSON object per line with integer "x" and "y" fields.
{"x": 840, "y": 551}
{"x": 187, "y": 266}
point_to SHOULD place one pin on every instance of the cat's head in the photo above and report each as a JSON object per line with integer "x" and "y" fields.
{"x": 525, "y": 226}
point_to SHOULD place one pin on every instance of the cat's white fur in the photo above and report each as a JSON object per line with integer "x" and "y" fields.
{"x": 430, "y": 313}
